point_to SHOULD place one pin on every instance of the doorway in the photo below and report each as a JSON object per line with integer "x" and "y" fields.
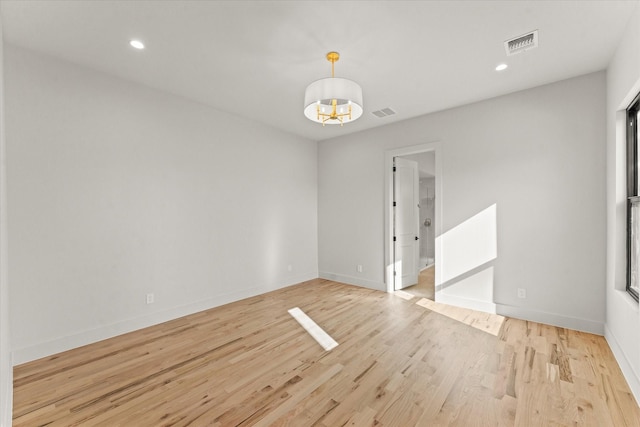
{"x": 406, "y": 222}
{"x": 398, "y": 258}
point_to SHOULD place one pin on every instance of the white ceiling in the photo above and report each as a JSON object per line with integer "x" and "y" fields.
{"x": 255, "y": 58}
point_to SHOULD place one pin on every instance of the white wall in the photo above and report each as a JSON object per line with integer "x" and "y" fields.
{"x": 6, "y": 371}
{"x": 426, "y": 162}
{"x": 117, "y": 190}
{"x": 537, "y": 155}
{"x": 623, "y": 319}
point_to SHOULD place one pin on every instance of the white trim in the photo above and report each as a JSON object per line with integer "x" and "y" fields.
{"x": 351, "y": 280}
{"x": 436, "y": 147}
{"x": 6, "y": 407}
{"x": 484, "y": 306}
{"x": 37, "y": 351}
{"x": 69, "y": 342}
{"x": 559, "y": 320}
{"x": 626, "y": 101}
{"x": 633, "y": 380}
{"x": 6, "y": 371}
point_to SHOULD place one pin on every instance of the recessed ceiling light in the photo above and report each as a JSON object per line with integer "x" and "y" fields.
{"x": 137, "y": 44}
{"x": 501, "y": 67}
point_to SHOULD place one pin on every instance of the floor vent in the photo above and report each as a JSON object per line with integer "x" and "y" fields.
{"x": 383, "y": 113}
{"x": 521, "y": 43}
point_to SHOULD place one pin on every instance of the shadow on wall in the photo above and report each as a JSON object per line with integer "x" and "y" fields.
{"x": 465, "y": 276}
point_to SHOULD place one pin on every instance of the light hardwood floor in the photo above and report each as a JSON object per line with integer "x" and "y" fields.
{"x": 426, "y": 284}
{"x": 399, "y": 362}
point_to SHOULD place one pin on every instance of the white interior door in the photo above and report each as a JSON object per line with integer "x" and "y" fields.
{"x": 406, "y": 222}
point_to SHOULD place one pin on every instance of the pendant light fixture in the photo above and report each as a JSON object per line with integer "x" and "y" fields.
{"x": 333, "y": 100}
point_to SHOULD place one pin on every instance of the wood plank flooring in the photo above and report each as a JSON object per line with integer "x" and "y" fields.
{"x": 399, "y": 362}
{"x": 425, "y": 288}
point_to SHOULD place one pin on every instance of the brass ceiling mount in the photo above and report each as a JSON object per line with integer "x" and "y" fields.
{"x": 333, "y": 57}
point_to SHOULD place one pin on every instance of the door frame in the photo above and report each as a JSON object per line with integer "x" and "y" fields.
{"x": 389, "y": 155}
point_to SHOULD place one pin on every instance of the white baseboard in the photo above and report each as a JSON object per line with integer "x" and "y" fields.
{"x": 6, "y": 405}
{"x": 351, "y": 280}
{"x": 574, "y": 323}
{"x": 487, "y": 307}
{"x": 633, "y": 380}
{"x": 58, "y": 345}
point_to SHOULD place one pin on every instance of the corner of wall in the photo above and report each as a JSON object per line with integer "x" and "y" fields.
{"x": 351, "y": 280}
{"x": 472, "y": 304}
{"x": 6, "y": 370}
{"x": 632, "y": 378}
{"x": 622, "y": 317}
{"x": 37, "y": 351}
{"x": 562, "y": 321}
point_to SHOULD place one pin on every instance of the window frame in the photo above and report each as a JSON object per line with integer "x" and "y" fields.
{"x": 632, "y": 184}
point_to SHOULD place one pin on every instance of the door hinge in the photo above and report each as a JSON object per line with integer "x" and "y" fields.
{"x": 394, "y": 204}
{"x": 394, "y": 273}
{"x": 394, "y": 238}
{"x": 394, "y": 168}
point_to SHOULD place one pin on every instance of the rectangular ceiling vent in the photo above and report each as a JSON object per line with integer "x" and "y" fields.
{"x": 383, "y": 113}
{"x": 521, "y": 43}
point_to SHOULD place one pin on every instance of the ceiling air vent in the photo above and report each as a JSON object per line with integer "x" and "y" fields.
{"x": 383, "y": 113}
{"x": 521, "y": 43}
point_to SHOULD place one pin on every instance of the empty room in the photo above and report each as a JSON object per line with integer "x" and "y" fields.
{"x": 319, "y": 213}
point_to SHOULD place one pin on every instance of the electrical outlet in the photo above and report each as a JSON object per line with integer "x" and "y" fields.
{"x": 522, "y": 293}
{"x": 359, "y": 268}
{"x": 150, "y": 298}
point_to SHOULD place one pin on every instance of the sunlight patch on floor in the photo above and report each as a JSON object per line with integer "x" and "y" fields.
{"x": 403, "y": 295}
{"x": 486, "y": 322}
{"x": 314, "y": 330}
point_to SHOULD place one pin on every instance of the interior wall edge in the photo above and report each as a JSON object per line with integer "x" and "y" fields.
{"x": 6, "y": 373}
{"x": 351, "y": 280}
{"x": 632, "y": 378}
{"x": 622, "y": 314}
{"x": 470, "y": 303}
{"x": 559, "y": 320}
{"x": 138, "y": 200}
{"x": 45, "y": 349}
